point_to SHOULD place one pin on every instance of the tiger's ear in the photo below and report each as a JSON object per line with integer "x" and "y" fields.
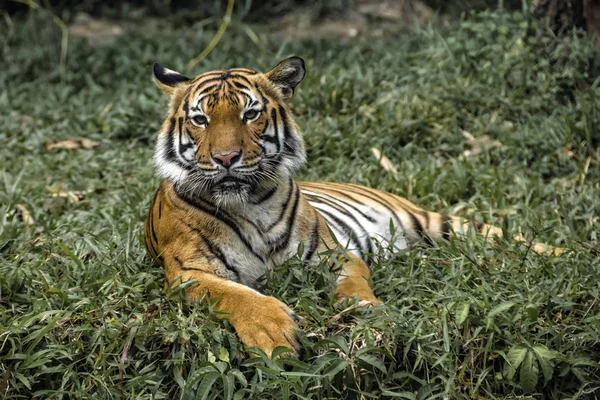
{"x": 286, "y": 75}
{"x": 166, "y": 79}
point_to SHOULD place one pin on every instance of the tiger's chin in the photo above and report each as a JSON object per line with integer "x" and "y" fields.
{"x": 231, "y": 194}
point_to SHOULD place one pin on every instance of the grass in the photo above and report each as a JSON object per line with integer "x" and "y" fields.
{"x": 83, "y": 313}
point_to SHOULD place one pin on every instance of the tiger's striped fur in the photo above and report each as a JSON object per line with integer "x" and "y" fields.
{"x": 228, "y": 210}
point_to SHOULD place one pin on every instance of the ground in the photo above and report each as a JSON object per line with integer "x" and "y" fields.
{"x": 83, "y": 313}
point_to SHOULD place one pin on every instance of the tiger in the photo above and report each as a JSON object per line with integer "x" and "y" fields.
{"x": 228, "y": 209}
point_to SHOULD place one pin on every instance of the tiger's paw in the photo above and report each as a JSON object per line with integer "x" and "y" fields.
{"x": 363, "y": 301}
{"x": 267, "y": 324}
{"x": 350, "y": 288}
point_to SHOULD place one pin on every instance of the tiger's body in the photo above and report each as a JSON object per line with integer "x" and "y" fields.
{"x": 228, "y": 209}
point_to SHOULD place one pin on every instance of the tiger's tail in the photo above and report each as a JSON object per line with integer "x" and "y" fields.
{"x": 443, "y": 226}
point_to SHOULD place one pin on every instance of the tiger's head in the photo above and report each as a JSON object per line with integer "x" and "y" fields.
{"x": 229, "y": 134}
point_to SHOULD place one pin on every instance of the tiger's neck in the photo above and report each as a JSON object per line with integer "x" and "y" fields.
{"x": 265, "y": 209}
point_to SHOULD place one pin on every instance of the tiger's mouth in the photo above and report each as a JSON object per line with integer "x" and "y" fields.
{"x": 230, "y": 184}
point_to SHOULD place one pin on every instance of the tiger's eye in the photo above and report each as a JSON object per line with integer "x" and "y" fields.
{"x": 251, "y": 115}
{"x": 199, "y": 120}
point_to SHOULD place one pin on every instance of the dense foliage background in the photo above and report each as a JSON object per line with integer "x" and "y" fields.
{"x": 488, "y": 116}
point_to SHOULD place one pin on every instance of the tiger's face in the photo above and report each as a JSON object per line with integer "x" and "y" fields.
{"x": 229, "y": 134}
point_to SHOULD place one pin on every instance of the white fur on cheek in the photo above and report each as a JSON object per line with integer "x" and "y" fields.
{"x": 166, "y": 168}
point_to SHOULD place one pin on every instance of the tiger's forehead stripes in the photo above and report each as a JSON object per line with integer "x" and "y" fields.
{"x": 217, "y": 86}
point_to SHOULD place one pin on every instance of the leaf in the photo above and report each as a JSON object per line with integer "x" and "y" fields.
{"x": 25, "y": 215}
{"x": 178, "y": 377}
{"x": 425, "y": 391}
{"x": 529, "y": 373}
{"x": 73, "y": 197}
{"x": 223, "y": 354}
{"x": 479, "y": 144}
{"x": 462, "y": 312}
{"x": 337, "y": 342}
{"x": 501, "y": 308}
{"x": 228, "y": 386}
{"x": 532, "y": 312}
{"x": 400, "y": 395}
{"x": 337, "y": 365}
{"x": 544, "y": 357}
{"x": 514, "y": 357}
{"x": 206, "y": 384}
{"x": 72, "y": 144}
{"x": 373, "y": 361}
{"x": 385, "y": 162}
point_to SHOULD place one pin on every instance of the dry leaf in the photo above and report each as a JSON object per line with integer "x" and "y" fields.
{"x": 384, "y": 161}
{"x": 72, "y": 144}
{"x": 479, "y": 144}
{"x": 96, "y": 30}
{"x": 568, "y": 151}
{"x": 71, "y": 196}
{"x": 26, "y": 217}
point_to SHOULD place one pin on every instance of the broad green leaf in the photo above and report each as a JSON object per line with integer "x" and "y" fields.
{"x": 544, "y": 357}
{"x": 445, "y": 333}
{"x": 178, "y": 377}
{"x": 529, "y": 373}
{"x": 303, "y": 374}
{"x": 515, "y": 357}
{"x": 334, "y": 367}
{"x": 279, "y": 350}
{"x": 425, "y": 391}
{"x": 532, "y": 311}
{"x": 501, "y": 308}
{"x": 228, "y": 386}
{"x": 400, "y": 395}
{"x": 462, "y": 312}
{"x": 239, "y": 376}
{"x": 206, "y": 384}
{"x": 373, "y": 361}
{"x": 337, "y": 342}
{"x": 223, "y": 354}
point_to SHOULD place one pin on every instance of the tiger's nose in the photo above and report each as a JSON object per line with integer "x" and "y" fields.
{"x": 226, "y": 159}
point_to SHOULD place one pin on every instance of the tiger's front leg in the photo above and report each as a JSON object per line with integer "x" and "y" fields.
{"x": 353, "y": 280}
{"x": 259, "y": 320}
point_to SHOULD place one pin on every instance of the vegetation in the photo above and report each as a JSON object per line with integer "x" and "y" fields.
{"x": 83, "y": 314}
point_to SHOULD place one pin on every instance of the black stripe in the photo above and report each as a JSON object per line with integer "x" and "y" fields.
{"x": 149, "y": 245}
{"x": 346, "y": 229}
{"x": 478, "y": 225}
{"x": 182, "y": 147}
{"x": 283, "y": 241}
{"x": 170, "y": 152}
{"x": 314, "y": 242}
{"x": 348, "y": 214}
{"x": 289, "y": 143}
{"x": 178, "y": 261}
{"x": 419, "y": 228}
{"x": 237, "y": 76}
{"x": 240, "y": 86}
{"x": 214, "y": 250}
{"x": 206, "y": 89}
{"x": 226, "y": 219}
{"x": 152, "y": 228}
{"x": 262, "y": 95}
{"x": 151, "y": 219}
{"x": 266, "y": 196}
{"x": 284, "y": 206}
{"x": 186, "y": 107}
{"x": 275, "y": 138}
{"x": 445, "y": 228}
{"x": 244, "y": 71}
{"x": 384, "y": 203}
{"x": 321, "y": 194}
{"x": 205, "y": 83}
